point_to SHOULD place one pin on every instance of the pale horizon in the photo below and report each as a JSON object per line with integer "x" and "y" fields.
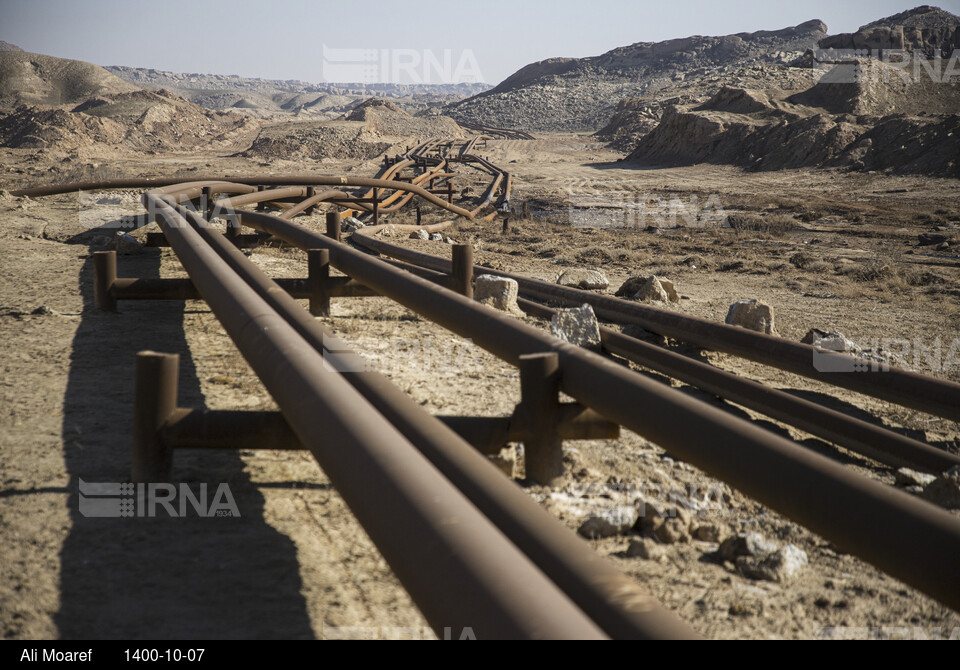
{"x": 294, "y": 39}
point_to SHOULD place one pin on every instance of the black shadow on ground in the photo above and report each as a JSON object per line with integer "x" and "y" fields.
{"x": 161, "y": 577}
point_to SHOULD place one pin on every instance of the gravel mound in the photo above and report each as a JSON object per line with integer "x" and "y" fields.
{"x": 34, "y": 79}
{"x": 388, "y": 118}
{"x": 315, "y": 141}
{"x": 142, "y": 120}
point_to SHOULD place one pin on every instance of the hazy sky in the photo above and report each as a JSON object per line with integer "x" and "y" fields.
{"x": 285, "y": 39}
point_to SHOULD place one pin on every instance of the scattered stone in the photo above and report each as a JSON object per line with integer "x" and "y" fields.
{"x": 646, "y": 549}
{"x": 671, "y": 531}
{"x": 943, "y": 246}
{"x": 590, "y": 280}
{"x": 629, "y": 288}
{"x": 43, "y": 310}
{"x": 830, "y": 340}
{"x": 929, "y": 239}
{"x": 681, "y": 514}
{"x": 351, "y": 224}
{"x": 126, "y": 244}
{"x": 651, "y": 291}
{"x": 649, "y": 288}
{"x": 670, "y": 289}
{"x": 745, "y": 544}
{"x": 577, "y": 326}
{"x": 449, "y": 240}
{"x": 745, "y": 608}
{"x": 907, "y": 477}
{"x": 779, "y": 566}
{"x": 608, "y": 523}
{"x": 709, "y": 532}
{"x": 436, "y": 237}
{"x": 506, "y": 460}
{"x": 753, "y": 315}
{"x": 634, "y": 285}
{"x": 650, "y": 515}
{"x": 945, "y": 489}
{"x": 419, "y": 235}
{"x": 498, "y": 292}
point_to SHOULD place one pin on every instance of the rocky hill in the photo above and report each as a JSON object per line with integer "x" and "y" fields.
{"x": 61, "y": 104}
{"x": 906, "y": 127}
{"x": 859, "y": 112}
{"x": 34, "y": 79}
{"x": 6, "y": 46}
{"x": 569, "y": 94}
{"x": 138, "y": 120}
{"x": 927, "y": 29}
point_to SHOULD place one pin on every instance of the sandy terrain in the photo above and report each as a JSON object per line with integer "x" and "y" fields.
{"x": 296, "y": 564}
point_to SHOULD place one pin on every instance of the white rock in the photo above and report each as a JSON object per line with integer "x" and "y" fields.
{"x": 652, "y": 291}
{"x": 908, "y": 477}
{"x": 746, "y": 544}
{"x": 498, "y": 292}
{"x": 830, "y": 340}
{"x": 645, "y": 287}
{"x": 753, "y": 315}
{"x": 670, "y": 289}
{"x": 419, "y": 235}
{"x": 780, "y": 566}
{"x": 589, "y": 280}
{"x": 577, "y": 326}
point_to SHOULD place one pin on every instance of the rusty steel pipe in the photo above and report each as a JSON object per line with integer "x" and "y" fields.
{"x": 308, "y": 204}
{"x": 908, "y": 538}
{"x": 228, "y": 429}
{"x": 609, "y": 597}
{"x": 920, "y": 392}
{"x": 876, "y": 442}
{"x": 193, "y": 189}
{"x": 243, "y": 429}
{"x": 104, "y": 278}
{"x": 458, "y": 567}
{"x": 155, "y": 401}
{"x": 490, "y": 434}
{"x": 183, "y": 289}
{"x": 539, "y": 414}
